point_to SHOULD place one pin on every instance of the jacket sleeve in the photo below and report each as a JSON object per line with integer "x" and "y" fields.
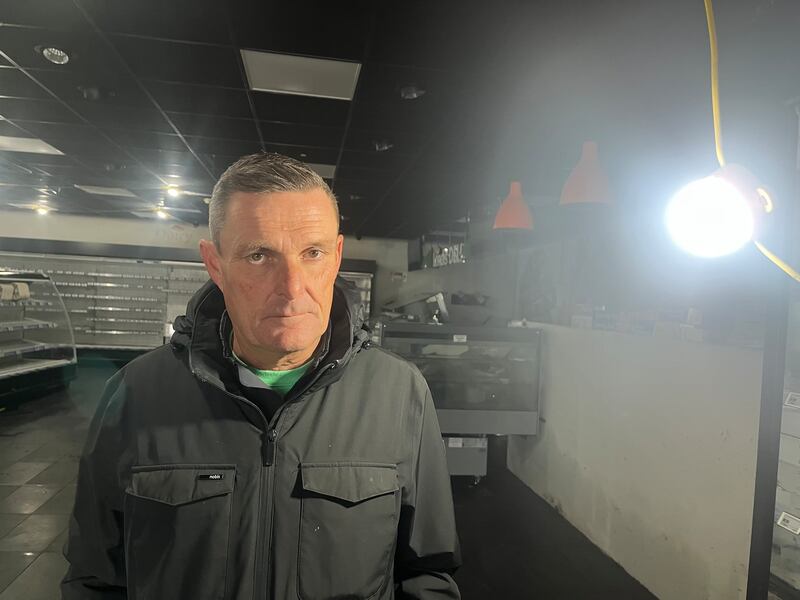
{"x": 428, "y": 550}
{"x": 94, "y": 549}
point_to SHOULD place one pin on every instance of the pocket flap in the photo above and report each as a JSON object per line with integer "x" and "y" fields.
{"x": 180, "y": 484}
{"x": 352, "y": 482}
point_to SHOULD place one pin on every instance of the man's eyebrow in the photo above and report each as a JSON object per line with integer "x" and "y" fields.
{"x": 319, "y": 244}
{"x": 255, "y": 247}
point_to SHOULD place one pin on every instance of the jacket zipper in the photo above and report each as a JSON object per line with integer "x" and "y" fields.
{"x": 263, "y": 574}
{"x": 272, "y": 438}
{"x": 267, "y": 451}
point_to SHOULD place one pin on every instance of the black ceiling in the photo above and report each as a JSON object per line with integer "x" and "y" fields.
{"x": 155, "y": 89}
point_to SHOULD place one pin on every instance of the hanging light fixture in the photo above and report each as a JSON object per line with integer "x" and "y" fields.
{"x": 514, "y": 212}
{"x": 587, "y": 183}
{"x": 718, "y": 215}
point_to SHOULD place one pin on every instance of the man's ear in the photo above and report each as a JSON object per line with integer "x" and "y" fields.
{"x": 212, "y": 260}
{"x": 339, "y": 251}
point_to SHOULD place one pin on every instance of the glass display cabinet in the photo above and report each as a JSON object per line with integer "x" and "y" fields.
{"x": 37, "y": 348}
{"x": 484, "y": 381}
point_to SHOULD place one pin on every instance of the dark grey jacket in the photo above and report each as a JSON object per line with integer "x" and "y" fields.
{"x": 185, "y": 491}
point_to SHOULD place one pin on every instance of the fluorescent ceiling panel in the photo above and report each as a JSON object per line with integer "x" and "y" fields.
{"x": 299, "y": 75}
{"x": 324, "y": 171}
{"x": 106, "y": 191}
{"x": 31, "y": 145}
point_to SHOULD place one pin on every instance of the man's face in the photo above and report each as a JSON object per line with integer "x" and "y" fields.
{"x": 278, "y": 257}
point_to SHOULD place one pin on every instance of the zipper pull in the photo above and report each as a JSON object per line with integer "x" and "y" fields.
{"x": 268, "y": 448}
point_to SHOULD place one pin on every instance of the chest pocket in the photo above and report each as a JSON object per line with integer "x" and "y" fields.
{"x": 348, "y": 528}
{"x": 177, "y": 522}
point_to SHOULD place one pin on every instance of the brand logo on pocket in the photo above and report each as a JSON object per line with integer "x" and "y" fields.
{"x": 211, "y": 477}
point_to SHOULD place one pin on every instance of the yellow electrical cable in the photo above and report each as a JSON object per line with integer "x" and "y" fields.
{"x": 712, "y": 42}
{"x": 780, "y": 263}
{"x": 763, "y": 194}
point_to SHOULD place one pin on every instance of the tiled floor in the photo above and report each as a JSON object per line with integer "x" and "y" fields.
{"x": 514, "y": 545}
{"x": 40, "y": 445}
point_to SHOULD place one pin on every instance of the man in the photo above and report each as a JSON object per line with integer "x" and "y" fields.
{"x": 268, "y": 451}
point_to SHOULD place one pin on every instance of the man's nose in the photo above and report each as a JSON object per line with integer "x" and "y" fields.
{"x": 291, "y": 280}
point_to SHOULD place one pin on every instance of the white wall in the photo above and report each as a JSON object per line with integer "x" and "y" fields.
{"x": 390, "y": 255}
{"x": 648, "y": 447}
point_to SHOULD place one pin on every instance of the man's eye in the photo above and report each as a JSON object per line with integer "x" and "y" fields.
{"x": 314, "y": 253}
{"x": 256, "y": 257}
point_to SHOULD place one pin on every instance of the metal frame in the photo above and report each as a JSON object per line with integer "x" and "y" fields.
{"x": 772, "y": 390}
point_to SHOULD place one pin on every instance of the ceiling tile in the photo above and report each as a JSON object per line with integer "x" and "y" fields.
{"x": 302, "y": 135}
{"x": 15, "y": 83}
{"x": 77, "y": 88}
{"x": 223, "y": 147}
{"x": 36, "y": 110}
{"x": 199, "y": 99}
{"x": 181, "y": 62}
{"x": 190, "y": 20}
{"x": 56, "y": 132}
{"x": 138, "y": 119}
{"x": 300, "y": 109}
{"x": 401, "y": 142}
{"x": 56, "y": 14}
{"x": 7, "y": 128}
{"x": 219, "y": 127}
{"x": 303, "y": 27}
{"x": 388, "y": 161}
{"x": 146, "y": 139}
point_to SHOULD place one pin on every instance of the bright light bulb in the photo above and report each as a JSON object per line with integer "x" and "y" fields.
{"x": 710, "y": 218}
{"x": 173, "y": 192}
{"x": 162, "y": 214}
{"x": 42, "y": 210}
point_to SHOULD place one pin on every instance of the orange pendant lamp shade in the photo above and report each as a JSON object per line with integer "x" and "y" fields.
{"x": 514, "y": 213}
{"x": 588, "y": 183}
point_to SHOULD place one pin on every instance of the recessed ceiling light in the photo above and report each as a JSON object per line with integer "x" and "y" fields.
{"x": 57, "y": 56}
{"x": 300, "y": 75}
{"x": 30, "y": 145}
{"x": 42, "y": 210}
{"x": 411, "y": 92}
{"x": 207, "y": 200}
{"x": 382, "y": 145}
{"x": 162, "y": 214}
{"x": 173, "y": 191}
{"x": 106, "y": 191}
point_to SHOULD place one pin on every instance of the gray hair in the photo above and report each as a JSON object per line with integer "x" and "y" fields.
{"x": 262, "y": 173}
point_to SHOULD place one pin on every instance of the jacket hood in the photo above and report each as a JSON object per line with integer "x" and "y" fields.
{"x": 202, "y": 332}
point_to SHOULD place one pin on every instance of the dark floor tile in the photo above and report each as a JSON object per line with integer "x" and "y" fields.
{"x": 35, "y": 533}
{"x": 6, "y": 489}
{"x": 28, "y": 498}
{"x": 60, "y": 504}
{"x": 11, "y": 452}
{"x": 22, "y": 472}
{"x": 12, "y": 564}
{"x": 55, "y": 451}
{"x": 40, "y": 581}
{"x": 62, "y": 473}
{"x": 8, "y": 522}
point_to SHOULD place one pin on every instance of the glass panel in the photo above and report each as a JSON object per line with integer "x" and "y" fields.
{"x": 493, "y": 376}
{"x": 786, "y": 536}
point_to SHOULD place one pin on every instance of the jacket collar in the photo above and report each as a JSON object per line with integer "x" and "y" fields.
{"x": 204, "y": 333}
